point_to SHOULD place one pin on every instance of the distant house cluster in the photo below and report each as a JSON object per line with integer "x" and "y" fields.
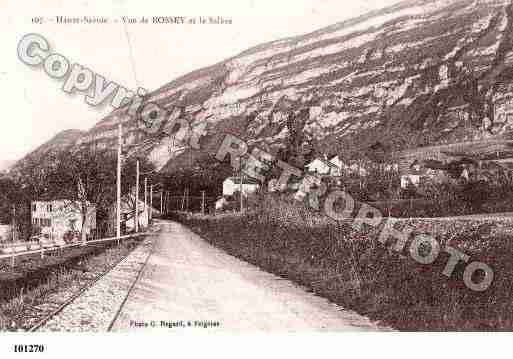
{"x": 334, "y": 167}
{"x": 320, "y": 167}
{"x": 414, "y": 168}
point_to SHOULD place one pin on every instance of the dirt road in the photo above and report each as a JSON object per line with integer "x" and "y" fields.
{"x": 190, "y": 285}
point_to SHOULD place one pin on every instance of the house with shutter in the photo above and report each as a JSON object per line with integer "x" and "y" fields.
{"x": 325, "y": 167}
{"x": 416, "y": 175}
{"x": 231, "y": 185}
{"x": 58, "y": 218}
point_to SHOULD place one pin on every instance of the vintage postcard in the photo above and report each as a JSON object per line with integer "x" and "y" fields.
{"x": 199, "y": 169}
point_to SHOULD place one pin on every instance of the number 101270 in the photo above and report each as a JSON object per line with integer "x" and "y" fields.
{"x": 32, "y": 348}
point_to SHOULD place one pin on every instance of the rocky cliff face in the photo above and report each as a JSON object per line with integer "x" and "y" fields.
{"x": 418, "y": 73}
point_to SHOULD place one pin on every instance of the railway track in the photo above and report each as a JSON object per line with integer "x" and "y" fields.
{"x": 91, "y": 283}
{"x": 120, "y": 309}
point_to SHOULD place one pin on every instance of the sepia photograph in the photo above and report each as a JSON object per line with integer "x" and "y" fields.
{"x": 304, "y": 170}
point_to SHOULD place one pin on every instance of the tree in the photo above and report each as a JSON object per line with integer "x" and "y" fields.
{"x": 33, "y": 174}
{"x": 10, "y": 193}
{"x": 15, "y": 206}
{"x": 84, "y": 177}
{"x": 206, "y": 174}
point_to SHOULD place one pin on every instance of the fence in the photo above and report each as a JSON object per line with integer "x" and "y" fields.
{"x": 50, "y": 248}
{"x": 401, "y": 207}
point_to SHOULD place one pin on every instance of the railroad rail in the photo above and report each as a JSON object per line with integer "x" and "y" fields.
{"x": 129, "y": 292}
{"x": 41, "y": 323}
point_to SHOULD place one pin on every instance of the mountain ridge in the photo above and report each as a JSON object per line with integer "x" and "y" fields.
{"x": 413, "y": 74}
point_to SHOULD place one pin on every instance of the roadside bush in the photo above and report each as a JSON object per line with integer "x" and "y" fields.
{"x": 352, "y": 268}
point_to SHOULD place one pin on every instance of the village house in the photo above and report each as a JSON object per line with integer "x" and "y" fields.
{"x": 292, "y": 185}
{"x": 60, "y": 217}
{"x": 337, "y": 162}
{"x": 416, "y": 175}
{"x": 221, "y": 203}
{"x": 231, "y": 185}
{"x": 324, "y": 167}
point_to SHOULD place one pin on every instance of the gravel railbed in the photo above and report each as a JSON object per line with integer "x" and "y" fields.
{"x": 95, "y": 309}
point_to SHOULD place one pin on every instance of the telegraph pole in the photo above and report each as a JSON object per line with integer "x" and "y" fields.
{"x": 146, "y": 197}
{"x": 14, "y": 232}
{"x": 240, "y": 183}
{"x": 118, "y": 214}
{"x": 203, "y": 202}
{"x": 187, "y": 200}
{"x": 136, "y": 218}
{"x": 151, "y": 202}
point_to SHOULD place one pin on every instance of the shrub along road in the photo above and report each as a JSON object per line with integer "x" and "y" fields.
{"x": 190, "y": 285}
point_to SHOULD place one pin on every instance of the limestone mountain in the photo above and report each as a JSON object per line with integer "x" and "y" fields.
{"x": 418, "y": 73}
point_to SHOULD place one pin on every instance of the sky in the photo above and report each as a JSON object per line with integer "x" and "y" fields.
{"x": 145, "y": 55}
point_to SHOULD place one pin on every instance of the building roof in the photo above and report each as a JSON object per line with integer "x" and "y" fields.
{"x": 245, "y": 180}
{"x": 327, "y": 163}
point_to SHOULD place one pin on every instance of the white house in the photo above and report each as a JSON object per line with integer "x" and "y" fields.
{"x": 56, "y": 218}
{"x": 232, "y": 185}
{"x": 5, "y": 232}
{"x": 220, "y": 203}
{"x": 416, "y": 174}
{"x": 337, "y": 162}
{"x": 324, "y": 167}
{"x": 408, "y": 179}
{"x": 334, "y": 167}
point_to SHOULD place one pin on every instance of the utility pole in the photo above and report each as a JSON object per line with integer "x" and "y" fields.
{"x": 14, "y": 236}
{"x": 136, "y": 217}
{"x": 187, "y": 200}
{"x": 151, "y": 202}
{"x": 203, "y": 202}
{"x": 161, "y": 204}
{"x": 240, "y": 183}
{"x": 118, "y": 214}
{"x": 146, "y": 197}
